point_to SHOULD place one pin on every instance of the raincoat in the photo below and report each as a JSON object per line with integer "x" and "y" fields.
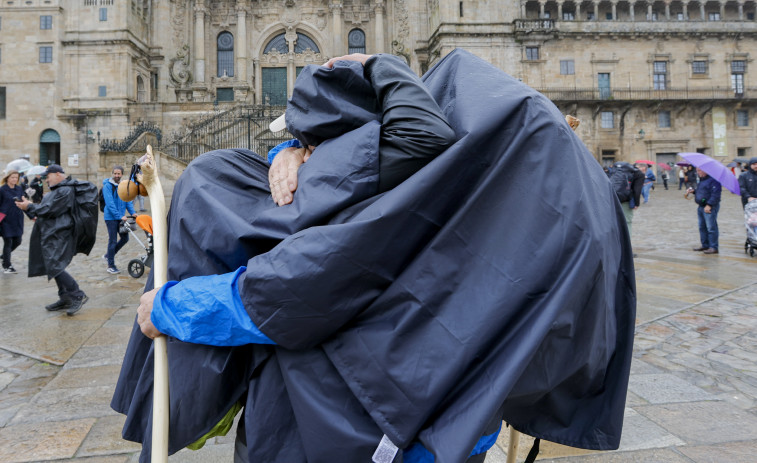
{"x": 52, "y": 244}
{"x": 472, "y": 290}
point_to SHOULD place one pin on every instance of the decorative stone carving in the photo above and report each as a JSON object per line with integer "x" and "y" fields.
{"x": 178, "y": 21}
{"x": 273, "y": 57}
{"x": 403, "y": 31}
{"x": 178, "y": 67}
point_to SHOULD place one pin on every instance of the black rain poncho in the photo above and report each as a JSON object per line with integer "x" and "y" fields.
{"x": 497, "y": 277}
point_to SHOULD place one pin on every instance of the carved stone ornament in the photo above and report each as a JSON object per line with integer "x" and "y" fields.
{"x": 273, "y": 57}
{"x": 403, "y": 31}
{"x": 178, "y": 17}
{"x": 178, "y": 67}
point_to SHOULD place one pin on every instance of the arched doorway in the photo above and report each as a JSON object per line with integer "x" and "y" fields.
{"x": 49, "y": 147}
{"x": 276, "y": 75}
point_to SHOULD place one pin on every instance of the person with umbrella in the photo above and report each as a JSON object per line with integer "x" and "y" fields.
{"x": 11, "y": 218}
{"x": 707, "y": 197}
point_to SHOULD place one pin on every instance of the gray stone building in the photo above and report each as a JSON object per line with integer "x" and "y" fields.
{"x": 647, "y": 78}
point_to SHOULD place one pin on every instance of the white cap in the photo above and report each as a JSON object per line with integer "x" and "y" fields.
{"x": 279, "y": 124}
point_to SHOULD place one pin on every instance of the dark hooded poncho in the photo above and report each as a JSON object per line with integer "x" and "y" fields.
{"x": 496, "y": 279}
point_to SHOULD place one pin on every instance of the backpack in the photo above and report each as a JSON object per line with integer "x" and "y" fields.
{"x": 621, "y": 183}
{"x": 101, "y": 200}
{"x": 84, "y": 212}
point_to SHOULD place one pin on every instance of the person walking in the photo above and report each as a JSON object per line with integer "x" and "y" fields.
{"x": 665, "y": 178}
{"x": 114, "y": 214}
{"x": 11, "y": 218}
{"x": 681, "y": 176}
{"x": 53, "y": 241}
{"x": 748, "y": 182}
{"x": 627, "y": 181}
{"x": 707, "y": 198}
{"x": 649, "y": 180}
{"x": 691, "y": 178}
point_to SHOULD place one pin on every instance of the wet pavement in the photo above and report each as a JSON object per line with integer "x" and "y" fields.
{"x": 692, "y": 395}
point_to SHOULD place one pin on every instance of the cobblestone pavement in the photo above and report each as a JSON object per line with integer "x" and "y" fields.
{"x": 692, "y": 395}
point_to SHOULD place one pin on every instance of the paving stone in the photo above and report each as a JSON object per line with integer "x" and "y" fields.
{"x": 219, "y": 452}
{"x": 640, "y": 433}
{"x": 5, "y": 379}
{"x": 96, "y": 356}
{"x": 67, "y": 404}
{"x": 104, "y": 438}
{"x": 734, "y": 452}
{"x": 666, "y": 388}
{"x": 699, "y": 423}
{"x": 646, "y": 456}
{"x": 42, "y": 441}
{"x": 106, "y": 375}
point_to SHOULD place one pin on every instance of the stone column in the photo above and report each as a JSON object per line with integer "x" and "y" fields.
{"x": 667, "y": 11}
{"x": 614, "y": 11}
{"x": 523, "y": 9}
{"x": 199, "y": 43}
{"x": 336, "y": 27}
{"x": 685, "y": 11}
{"x": 379, "y": 44}
{"x": 596, "y": 11}
{"x": 649, "y": 12}
{"x": 559, "y": 10}
{"x": 741, "y": 11}
{"x": 240, "y": 44}
{"x": 722, "y": 11}
{"x": 701, "y": 11}
{"x": 541, "y": 10}
{"x": 291, "y": 38}
{"x": 578, "y": 11}
{"x": 631, "y": 13}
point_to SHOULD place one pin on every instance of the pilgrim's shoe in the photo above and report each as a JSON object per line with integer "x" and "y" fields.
{"x": 60, "y": 304}
{"x": 700, "y": 249}
{"x": 711, "y": 251}
{"x": 76, "y": 304}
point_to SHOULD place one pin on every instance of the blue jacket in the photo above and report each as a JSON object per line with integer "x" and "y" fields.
{"x": 708, "y": 192}
{"x": 115, "y": 207}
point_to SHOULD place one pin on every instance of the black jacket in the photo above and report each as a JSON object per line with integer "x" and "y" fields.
{"x": 748, "y": 183}
{"x": 13, "y": 223}
{"x": 52, "y": 244}
{"x": 474, "y": 289}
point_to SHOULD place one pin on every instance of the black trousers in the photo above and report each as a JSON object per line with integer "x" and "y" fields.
{"x": 9, "y": 245}
{"x": 67, "y": 287}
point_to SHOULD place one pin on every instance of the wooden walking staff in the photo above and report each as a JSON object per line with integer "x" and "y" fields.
{"x": 148, "y": 177}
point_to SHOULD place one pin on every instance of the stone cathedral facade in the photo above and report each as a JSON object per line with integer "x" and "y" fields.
{"x": 647, "y": 78}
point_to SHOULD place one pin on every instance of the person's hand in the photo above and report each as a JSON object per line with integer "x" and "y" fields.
{"x": 707, "y": 209}
{"x": 359, "y": 57}
{"x": 23, "y": 204}
{"x": 125, "y": 218}
{"x": 143, "y": 314}
{"x": 282, "y": 176}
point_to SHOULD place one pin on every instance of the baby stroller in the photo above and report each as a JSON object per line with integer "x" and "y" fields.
{"x": 750, "y": 221}
{"x": 136, "y": 267}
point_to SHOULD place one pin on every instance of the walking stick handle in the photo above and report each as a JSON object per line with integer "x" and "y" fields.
{"x": 149, "y": 178}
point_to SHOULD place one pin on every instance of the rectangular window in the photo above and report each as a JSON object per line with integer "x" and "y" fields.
{"x": 607, "y": 120}
{"x": 750, "y": 16}
{"x": 738, "y": 67}
{"x": 663, "y": 119}
{"x": 714, "y": 16}
{"x": 547, "y": 15}
{"x": 603, "y": 83}
{"x": 567, "y": 67}
{"x": 660, "y": 75}
{"x": 679, "y": 16}
{"x": 532, "y": 53}
{"x": 742, "y": 118}
{"x": 46, "y": 54}
{"x": 2, "y": 102}
{"x": 568, "y": 15}
{"x": 590, "y": 16}
{"x": 103, "y": 14}
{"x": 608, "y": 16}
{"x": 461, "y": 9}
{"x": 699, "y": 67}
{"x": 102, "y": 91}
{"x": 225, "y": 63}
{"x": 744, "y": 152}
{"x": 1, "y": 56}
{"x": 274, "y": 86}
{"x": 654, "y": 16}
{"x": 45, "y": 22}
{"x": 225, "y": 94}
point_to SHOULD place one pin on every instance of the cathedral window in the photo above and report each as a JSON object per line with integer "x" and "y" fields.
{"x": 607, "y": 120}
{"x": 356, "y": 41}
{"x": 46, "y": 54}
{"x": 660, "y": 78}
{"x": 46, "y": 22}
{"x": 225, "y": 54}
{"x": 532, "y": 53}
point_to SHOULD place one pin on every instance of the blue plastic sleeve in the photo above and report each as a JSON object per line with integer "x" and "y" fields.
{"x": 287, "y": 144}
{"x": 206, "y": 310}
{"x": 417, "y": 453}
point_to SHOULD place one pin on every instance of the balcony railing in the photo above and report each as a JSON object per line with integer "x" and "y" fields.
{"x": 534, "y": 25}
{"x": 638, "y": 26}
{"x": 632, "y": 94}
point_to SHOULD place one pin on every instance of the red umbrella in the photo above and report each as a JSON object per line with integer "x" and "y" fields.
{"x": 664, "y": 166}
{"x": 644, "y": 161}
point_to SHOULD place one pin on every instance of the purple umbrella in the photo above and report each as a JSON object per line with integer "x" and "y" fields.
{"x": 714, "y": 169}
{"x": 683, "y": 163}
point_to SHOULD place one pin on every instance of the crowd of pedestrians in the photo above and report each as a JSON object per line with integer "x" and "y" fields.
{"x": 65, "y": 223}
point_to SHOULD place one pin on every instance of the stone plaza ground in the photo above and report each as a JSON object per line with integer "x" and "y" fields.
{"x": 692, "y": 394}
